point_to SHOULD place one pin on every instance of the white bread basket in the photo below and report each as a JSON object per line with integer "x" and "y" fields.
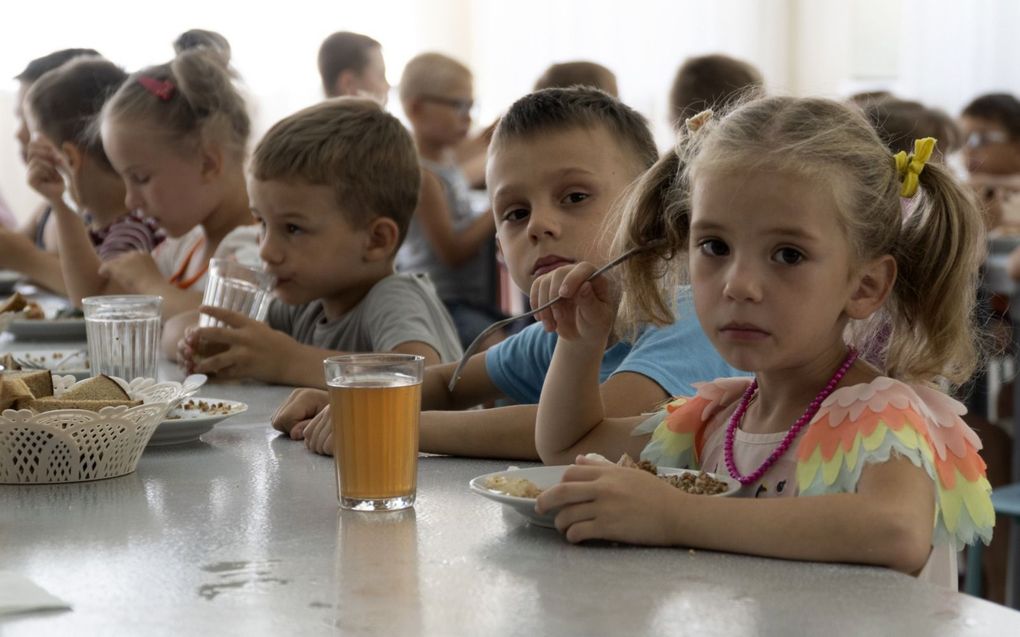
{"x": 76, "y": 445}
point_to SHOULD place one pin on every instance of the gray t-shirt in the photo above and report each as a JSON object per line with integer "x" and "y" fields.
{"x": 398, "y": 309}
{"x": 471, "y": 281}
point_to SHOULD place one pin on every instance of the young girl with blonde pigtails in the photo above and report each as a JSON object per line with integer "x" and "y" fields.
{"x": 806, "y": 243}
{"x": 177, "y": 134}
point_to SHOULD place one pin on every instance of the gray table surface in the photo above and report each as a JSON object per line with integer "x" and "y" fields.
{"x": 240, "y": 533}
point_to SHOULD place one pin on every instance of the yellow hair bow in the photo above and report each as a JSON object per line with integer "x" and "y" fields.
{"x": 909, "y": 167}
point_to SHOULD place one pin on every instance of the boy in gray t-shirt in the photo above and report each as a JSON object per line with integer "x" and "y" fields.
{"x": 334, "y": 187}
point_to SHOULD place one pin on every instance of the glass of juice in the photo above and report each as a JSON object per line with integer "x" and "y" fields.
{"x": 375, "y": 401}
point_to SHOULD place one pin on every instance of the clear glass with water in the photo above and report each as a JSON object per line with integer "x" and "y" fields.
{"x": 123, "y": 334}
{"x": 236, "y": 287}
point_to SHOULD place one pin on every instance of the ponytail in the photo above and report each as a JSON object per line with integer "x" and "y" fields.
{"x": 655, "y": 212}
{"x": 938, "y": 254}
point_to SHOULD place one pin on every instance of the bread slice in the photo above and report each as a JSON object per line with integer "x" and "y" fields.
{"x": 8, "y": 363}
{"x": 100, "y": 387}
{"x": 49, "y": 404}
{"x": 14, "y": 303}
{"x": 13, "y": 392}
{"x": 39, "y": 381}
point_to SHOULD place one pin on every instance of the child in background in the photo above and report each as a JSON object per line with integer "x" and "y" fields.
{"x": 177, "y": 135}
{"x": 790, "y": 214}
{"x": 32, "y": 249}
{"x": 899, "y": 122}
{"x": 351, "y": 64}
{"x": 991, "y": 151}
{"x": 447, "y": 240}
{"x": 560, "y": 161}
{"x": 334, "y": 187}
{"x": 579, "y": 73}
{"x": 710, "y": 81}
{"x": 61, "y": 109}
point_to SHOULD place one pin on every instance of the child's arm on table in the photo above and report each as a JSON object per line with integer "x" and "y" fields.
{"x": 258, "y": 351}
{"x": 137, "y": 273}
{"x": 509, "y": 432}
{"x": 887, "y": 522}
{"x": 19, "y": 253}
{"x": 571, "y": 416}
{"x": 452, "y": 246}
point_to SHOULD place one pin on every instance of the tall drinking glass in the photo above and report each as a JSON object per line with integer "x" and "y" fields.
{"x": 375, "y": 401}
{"x": 237, "y": 287}
{"x": 123, "y": 334}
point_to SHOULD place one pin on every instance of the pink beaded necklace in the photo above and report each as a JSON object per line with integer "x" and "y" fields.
{"x": 791, "y": 435}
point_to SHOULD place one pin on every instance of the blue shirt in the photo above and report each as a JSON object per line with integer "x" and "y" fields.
{"x": 675, "y": 357}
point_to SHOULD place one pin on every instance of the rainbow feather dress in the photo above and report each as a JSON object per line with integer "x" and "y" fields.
{"x": 856, "y": 426}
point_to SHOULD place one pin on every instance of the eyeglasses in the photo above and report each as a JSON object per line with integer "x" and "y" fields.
{"x": 977, "y": 139}
{"x": 463, "y": 107}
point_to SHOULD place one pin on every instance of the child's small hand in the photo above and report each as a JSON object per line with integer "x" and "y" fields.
{"x": 607, "y": 502}
{"x": 587, "y": 310}
{"x": 299, "y": 410}
{"x": 134, "y": 271}
{"x": 44, "y": 163}
{"x": 319, "y": 433}
{"x": 249, "y": 348}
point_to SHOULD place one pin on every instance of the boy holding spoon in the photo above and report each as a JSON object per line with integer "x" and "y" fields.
{"x": 559, "y": 162}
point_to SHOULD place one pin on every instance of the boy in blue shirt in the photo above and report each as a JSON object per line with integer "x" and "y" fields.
{"x": 559, "y": 161}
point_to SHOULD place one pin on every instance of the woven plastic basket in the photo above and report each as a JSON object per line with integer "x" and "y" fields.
{"x": 76, "y": 445}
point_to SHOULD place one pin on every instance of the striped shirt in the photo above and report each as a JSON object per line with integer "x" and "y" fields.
{"x": 131, "y": 233}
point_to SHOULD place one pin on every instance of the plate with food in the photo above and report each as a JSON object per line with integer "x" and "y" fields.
{"x": 64, "y": 361}
{"x": 23, "y": 318}
{"x": 518, "y": 488}
{"x": 192, "y": 418}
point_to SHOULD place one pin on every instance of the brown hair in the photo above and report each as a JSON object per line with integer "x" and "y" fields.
{"x": 430, "y": 74}
{"x": 580, "y": 73}
{"x": 899, "y": 122}
{"x": 560, "y": 109}
{"x": 66, "y": 101}
{"x": 42, "y": 65}
{"x": 1001, "y": 108}
{"x": 195, "y": 38}
{"x": 937, "y": 247}
{"x": 341, "y": 51}
{"x": 352, "y": 145}
{"x": 203, "y": 106}
{"x": 710, "y": 81}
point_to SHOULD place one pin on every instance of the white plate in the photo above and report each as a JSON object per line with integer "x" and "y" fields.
{"x": 68, "y": 329}
{"x": 50, "y": 359}
{"x": 8, "y": 279}
{"x": 189, "y": 424}
{"x": 546, "y": 477}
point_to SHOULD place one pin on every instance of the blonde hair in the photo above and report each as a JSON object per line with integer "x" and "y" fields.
{"x": 937, "y": 247}
{"x": 431, "y": 74}
{"x": 352, "y": 145}
{"x": 203, "y": 105}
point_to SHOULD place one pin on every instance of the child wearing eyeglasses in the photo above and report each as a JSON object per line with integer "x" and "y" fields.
{"x": 991, "y": 152}
{"x": 447, "y": 239}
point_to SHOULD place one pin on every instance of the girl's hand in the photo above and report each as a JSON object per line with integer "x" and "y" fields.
{"x": 607, "y": 502}
{"x": 299, "y": 410}
{"x": 587, "y": 310}
{"x": 44, "y": 163}
{"x": 134, "y": 271}
{"x": 248, "y": 348}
